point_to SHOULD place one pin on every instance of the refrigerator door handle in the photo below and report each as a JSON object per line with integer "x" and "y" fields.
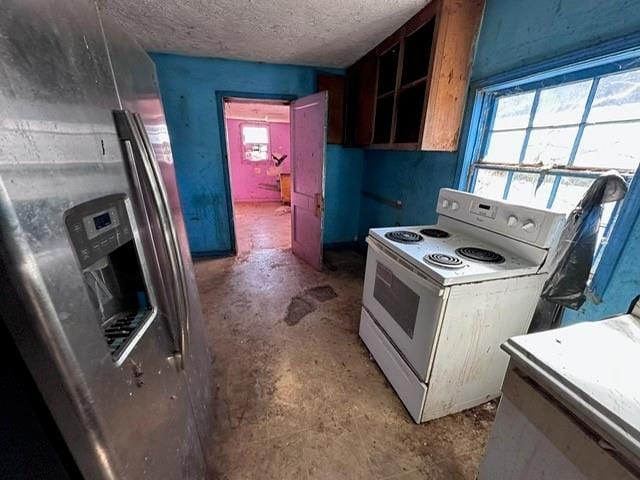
{"x": 149, "y": 170}
{"x": 169, "y": 232}
{"x": 171, "y": 237}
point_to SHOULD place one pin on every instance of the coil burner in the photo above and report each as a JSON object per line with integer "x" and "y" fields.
{"x": 434, "y": 233}
{"x": 480, "y": 255}
{"x": 444, "y": 260}
{"x": 404, "y": 236}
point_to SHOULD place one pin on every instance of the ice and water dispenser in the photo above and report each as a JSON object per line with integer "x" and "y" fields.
{"x": 103, "y": 239}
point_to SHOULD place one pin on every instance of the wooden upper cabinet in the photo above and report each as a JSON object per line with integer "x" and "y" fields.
{"x": 335, "y": 86}
{"x": 416, "y": 97}
{"x": 361, "y": 91}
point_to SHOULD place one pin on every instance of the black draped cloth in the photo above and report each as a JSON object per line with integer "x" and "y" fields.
{"x": 573, "y": 258}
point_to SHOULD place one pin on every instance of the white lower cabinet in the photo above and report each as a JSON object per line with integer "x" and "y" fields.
{"x": 535, "y": 437}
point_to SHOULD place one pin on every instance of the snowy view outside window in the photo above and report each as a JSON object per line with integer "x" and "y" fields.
{"x": 544, "y": 147}
{"x": 255, "y": 142}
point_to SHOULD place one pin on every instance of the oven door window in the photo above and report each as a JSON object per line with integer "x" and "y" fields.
{"x": 400, "y": 302}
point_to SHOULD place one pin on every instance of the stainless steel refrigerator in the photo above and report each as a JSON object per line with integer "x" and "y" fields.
{"x": 98, "y": 289}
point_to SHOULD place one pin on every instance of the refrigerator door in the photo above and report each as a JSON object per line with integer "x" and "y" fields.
{"x": 124, "y": 418}
{"x": 138, "y": 91}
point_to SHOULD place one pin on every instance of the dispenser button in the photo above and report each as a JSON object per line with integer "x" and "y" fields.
{"x": 529, "y": 226}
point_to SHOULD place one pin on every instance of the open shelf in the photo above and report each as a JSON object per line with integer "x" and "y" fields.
{"x": 384, "y": 119}
{"x": 402, "y": 88}
{"x": 421, "y": 77}
{"x": 417, "y": 53}
{"x": 409, "y": 113}
{"x": 388, "y": 70}
{"x": 411, "y": 84}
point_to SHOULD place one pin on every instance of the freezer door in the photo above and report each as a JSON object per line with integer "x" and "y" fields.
{"x": 128, "y": 418}
{"x": 138, "y": 92}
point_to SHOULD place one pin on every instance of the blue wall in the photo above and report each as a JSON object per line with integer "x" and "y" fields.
{"x": 520, "y": 32}
{"x": 188, "y": 86}
{"x": 414, "y": 178}
{"x": 516, "y": 33}
{"x": 343, "y": 183}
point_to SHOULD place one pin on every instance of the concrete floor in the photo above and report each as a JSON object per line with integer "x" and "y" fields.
{"x": 262, "y": 225}
{"x": 297, "y": 395}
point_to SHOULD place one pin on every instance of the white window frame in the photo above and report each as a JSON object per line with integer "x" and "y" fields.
{"x": 265, "y": 126}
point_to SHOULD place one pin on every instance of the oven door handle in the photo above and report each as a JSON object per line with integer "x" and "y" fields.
{"x": 416, "y": 276}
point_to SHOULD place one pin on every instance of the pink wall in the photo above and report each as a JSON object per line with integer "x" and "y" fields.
{"x": 257, "y": 181}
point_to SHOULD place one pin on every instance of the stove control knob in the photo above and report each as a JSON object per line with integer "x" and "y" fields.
{"x": 512, "y": 220}
{"x": 445, "y": 203}
{"x": 454, "y": 205}
{"x": 529, "y": 226}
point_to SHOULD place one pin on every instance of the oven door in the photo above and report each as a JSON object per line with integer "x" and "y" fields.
{"x": 405, "y": 304}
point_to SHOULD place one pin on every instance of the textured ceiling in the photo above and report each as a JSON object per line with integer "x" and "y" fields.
{"x": 330, "y": 33}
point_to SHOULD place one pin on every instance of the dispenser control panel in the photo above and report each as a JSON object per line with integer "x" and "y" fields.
{"x": 101, "y": 222}
{"x": 113, "y": 270}
{"x": 98, "y": 227}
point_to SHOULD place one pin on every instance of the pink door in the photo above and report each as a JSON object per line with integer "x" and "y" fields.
{"x": 308, "y": 140}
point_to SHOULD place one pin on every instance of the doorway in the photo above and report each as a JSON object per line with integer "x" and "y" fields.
{"x": 258, "y": 134}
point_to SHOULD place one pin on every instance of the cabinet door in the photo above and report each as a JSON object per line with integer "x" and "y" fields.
{"x": 335, "y": 85}
{"x": 361, "y": 88}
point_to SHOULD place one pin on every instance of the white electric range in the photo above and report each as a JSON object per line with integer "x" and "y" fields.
{"x": 439, "y": 300}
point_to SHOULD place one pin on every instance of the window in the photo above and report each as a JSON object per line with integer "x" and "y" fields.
{"x": 255, "y": 143}
{"x": 543, "y": 142}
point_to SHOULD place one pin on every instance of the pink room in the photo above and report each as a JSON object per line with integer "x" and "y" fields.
{"x": 259, "y": 156}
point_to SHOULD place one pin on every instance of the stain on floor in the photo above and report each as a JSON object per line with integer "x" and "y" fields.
{"x": 302, "y": 305}
{"x": 323, "y": 293}
{"x": 298, "y": 309}
{"x": 304, "y": 401}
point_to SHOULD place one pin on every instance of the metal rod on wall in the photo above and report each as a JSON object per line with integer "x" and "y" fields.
{"x": 386, "y": 201}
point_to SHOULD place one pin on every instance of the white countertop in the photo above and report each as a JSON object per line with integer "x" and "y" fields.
{"x": 594, "y": 369}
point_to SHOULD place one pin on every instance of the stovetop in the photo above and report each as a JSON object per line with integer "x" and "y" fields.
{"x": 451, "y": 256}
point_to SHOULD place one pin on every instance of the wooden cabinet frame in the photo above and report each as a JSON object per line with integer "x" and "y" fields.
{"x": 456, "y": 25}
{"x": 425, "y": 15}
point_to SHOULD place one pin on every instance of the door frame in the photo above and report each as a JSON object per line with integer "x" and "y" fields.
{"x": 221, "y": 96}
